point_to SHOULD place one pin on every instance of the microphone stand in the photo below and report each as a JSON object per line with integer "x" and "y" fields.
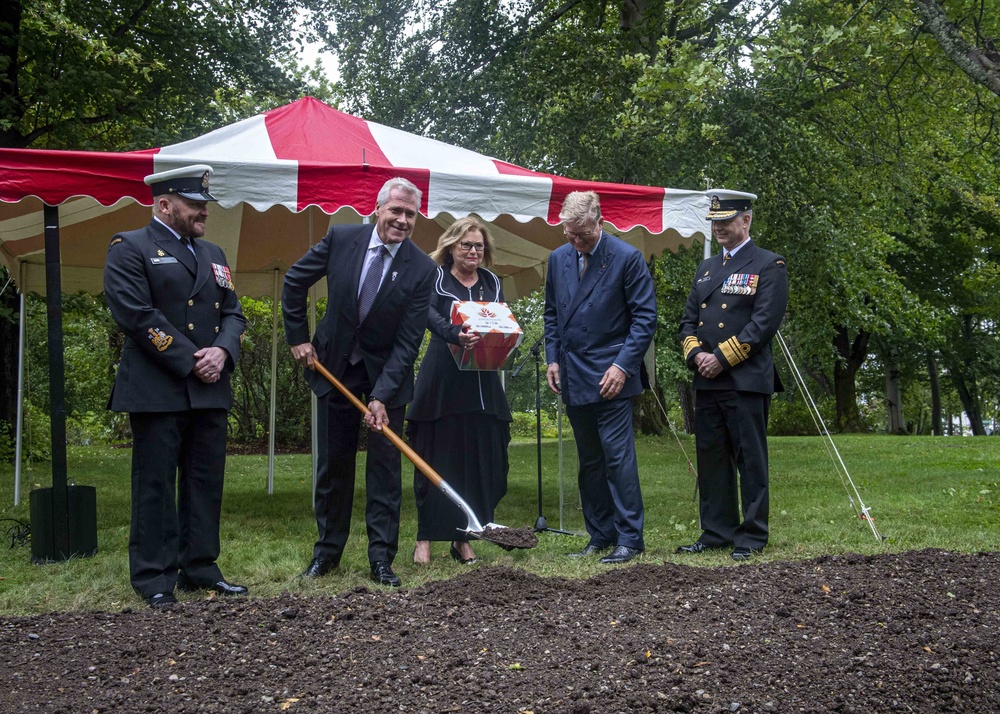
{"x": 541, "y": 524}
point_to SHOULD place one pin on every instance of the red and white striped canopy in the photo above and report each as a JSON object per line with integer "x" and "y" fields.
{"x": 283, "y": 177}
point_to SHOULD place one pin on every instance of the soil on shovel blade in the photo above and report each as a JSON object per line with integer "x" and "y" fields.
{"x": 913, "y": 632}
{"x": 510, "y": 538}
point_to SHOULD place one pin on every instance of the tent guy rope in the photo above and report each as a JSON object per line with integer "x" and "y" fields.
{"x": 857, "y": 503}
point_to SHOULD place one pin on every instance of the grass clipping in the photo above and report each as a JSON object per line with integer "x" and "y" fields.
{"x": 509, "y": 538}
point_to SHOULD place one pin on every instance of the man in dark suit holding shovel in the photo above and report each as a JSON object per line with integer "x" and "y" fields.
{"x": 379, "y": 286}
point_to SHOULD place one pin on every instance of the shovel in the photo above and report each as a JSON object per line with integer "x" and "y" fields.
{"x": 507, "y": 538}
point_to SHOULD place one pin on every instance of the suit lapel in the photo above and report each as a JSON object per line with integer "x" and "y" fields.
{"x": 394, "y": 277}
{"x": 600, "y": 264}
{"x": 168, "y": 242}
{"x": 350, "y": 270}
{"x": 205, "y": 268}
{"x": 721, "y": 271}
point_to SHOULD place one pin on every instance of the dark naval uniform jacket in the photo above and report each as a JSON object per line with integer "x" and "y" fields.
{"x": 733, "y": 311}
{"x": 169, "y": 306}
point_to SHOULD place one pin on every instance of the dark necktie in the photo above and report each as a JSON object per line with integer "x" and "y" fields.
{"x": 584, "y": 262}
{"x": 188, "y": 243}
{"x": 369, "y": 289}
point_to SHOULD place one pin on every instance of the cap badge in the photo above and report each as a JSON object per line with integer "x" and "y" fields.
{"x": 204, "y": 180}
{"x": 716, "y": 206}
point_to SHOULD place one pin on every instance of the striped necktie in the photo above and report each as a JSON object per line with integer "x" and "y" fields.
{"x": 369, "y": 289}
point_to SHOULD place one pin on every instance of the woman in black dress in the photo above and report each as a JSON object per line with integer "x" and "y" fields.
{"x": 459, "y": 421}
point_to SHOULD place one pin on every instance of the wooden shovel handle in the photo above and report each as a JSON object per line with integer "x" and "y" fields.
{"x": 412, "y": 455}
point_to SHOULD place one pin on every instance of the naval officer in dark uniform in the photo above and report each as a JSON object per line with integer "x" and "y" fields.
{"x": 736, "y": 303}
{"x": 172, "y": 295}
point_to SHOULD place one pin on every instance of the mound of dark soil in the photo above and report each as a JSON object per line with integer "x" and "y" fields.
{"x": 916, "y": 632}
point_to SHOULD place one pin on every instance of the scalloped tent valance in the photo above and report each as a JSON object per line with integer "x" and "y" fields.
{"x": 282, "y": 177}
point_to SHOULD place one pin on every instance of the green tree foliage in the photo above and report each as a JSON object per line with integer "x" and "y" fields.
{"x": 93, "y": 345}
{"x": 250, "y": 415}
{"x": 111, "y": 75}
{"x": 844, "y": 118}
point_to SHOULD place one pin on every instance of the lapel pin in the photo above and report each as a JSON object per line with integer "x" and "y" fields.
{"x": 394, "y": 274}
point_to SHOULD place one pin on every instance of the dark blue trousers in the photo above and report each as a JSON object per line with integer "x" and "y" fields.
{"x": 609, "y": 473}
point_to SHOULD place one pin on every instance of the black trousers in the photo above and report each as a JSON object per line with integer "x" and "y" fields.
{"x": 178, "y": 465}
{"x": 731, "y": 437}
{"x": 338, "y": 423}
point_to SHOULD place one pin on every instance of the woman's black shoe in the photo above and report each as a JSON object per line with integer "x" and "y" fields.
{"x": 458, "y": 556}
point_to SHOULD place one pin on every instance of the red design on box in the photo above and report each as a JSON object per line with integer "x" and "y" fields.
{"x": 499, "y": 333}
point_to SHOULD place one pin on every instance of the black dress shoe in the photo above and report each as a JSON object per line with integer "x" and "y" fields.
{"x": 158, "y": 600}
{"x": 621, "y": 554}
{"x": 319, "y": 567}
{"x": 221, "y": 587}
{"x": 457, "y": 555}
{"x": 696, "y": 547}
{"x": 590, "y": 550}
{"x": 383, "y": 575}
{"x": 740, "y": 553}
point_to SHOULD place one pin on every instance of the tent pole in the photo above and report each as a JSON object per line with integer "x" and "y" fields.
{"x": 313, "y": 402}
{"x": 274, "y": 385}
{"x": 561, "y": 496}
{"x": 19, "y": 439}
{"x": 57, "y": 382}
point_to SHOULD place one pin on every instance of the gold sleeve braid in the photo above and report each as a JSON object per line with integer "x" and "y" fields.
{"x": 734, "y": 351}
{"x": 690, "y": 342}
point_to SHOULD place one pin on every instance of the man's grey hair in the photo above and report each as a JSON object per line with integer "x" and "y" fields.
{"x": 581, "y": 207}
{"x": 398, "y": 183}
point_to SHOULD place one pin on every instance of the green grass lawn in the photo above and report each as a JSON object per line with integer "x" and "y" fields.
{"x": 923, "y": 492}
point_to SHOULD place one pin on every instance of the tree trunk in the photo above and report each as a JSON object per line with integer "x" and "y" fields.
{"x": 852, "y": 356}
{"x": 646, "y": 414}
{"x": 894, "y": 400}
{"x": 975, "y": 62}
{"x": 961, "y": 369}
{"x": 932, "y": 373}
{"x": 686, "y": 395}
{"x": 968, "y": 393}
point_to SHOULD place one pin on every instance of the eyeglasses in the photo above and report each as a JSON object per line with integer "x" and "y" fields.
{"x": 469, "y": 247}
{"x": 579, "y": 236}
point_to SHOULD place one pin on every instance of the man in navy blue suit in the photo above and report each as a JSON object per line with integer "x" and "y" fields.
{"x": 379, "y": 287}
{"x": 600, "y": 315}
{"x": 736, "y": 303}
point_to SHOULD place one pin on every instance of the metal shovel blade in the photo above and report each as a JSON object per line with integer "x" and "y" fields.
{"x": 508, "y": 538}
